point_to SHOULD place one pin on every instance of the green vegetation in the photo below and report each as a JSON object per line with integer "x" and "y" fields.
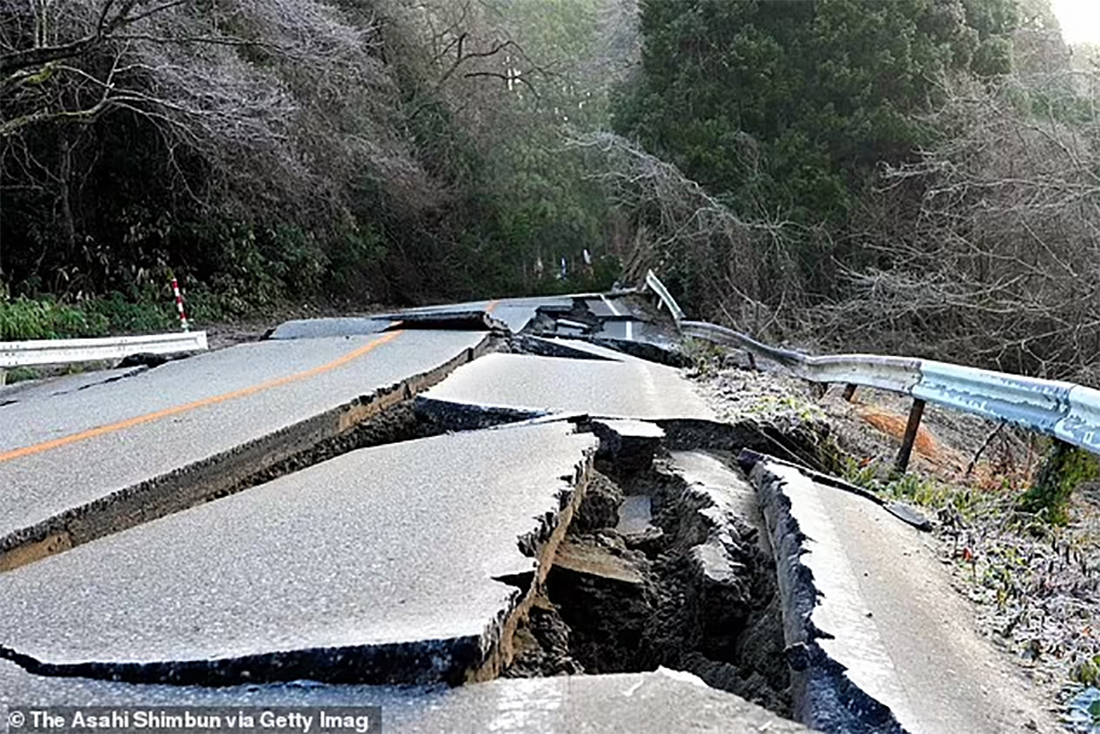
{"x": 44, "y": 318}
{"x": 794, "y": 104}
{"x": 1064, "y": 469}
{"x": 880, "y": 176}
{"x": 910, "y": 176}
{"x": 1048, "y": 499}
{"x": 786, "y": 110}
{"x": 23, "y": 318}
{"x": 20, "y": 374}
{"x": 1087, "y": 673}
{"x": 969, "y": 503}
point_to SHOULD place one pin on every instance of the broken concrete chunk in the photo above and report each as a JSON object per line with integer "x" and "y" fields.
{"x": 631, "y": 445}
{"x": 595, "y": 560}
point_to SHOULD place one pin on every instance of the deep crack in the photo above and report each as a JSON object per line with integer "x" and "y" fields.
{"x": 693, "y": 589}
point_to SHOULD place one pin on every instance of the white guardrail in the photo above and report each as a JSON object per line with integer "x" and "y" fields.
{"x": 61, "y": 351}
{"x": 1061, "y": 409}
{"x": 655, "y": 285}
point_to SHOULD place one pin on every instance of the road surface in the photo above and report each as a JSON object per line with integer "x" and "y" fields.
{"x": 387, "y": 546}
{"x": 626, "y": 389}
{"x": 660, "y": 702}
{"x": 906, "y": 637}
{"x": 409, "y": 562}
{"x": 60, "y": 453}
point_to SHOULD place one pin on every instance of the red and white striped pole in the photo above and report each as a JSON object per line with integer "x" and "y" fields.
{"x": 179, "y": 304}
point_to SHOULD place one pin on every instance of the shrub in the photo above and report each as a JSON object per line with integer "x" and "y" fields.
{"x": 1064, "y": 468}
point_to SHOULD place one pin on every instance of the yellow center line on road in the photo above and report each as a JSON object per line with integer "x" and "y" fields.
{"x": 39, "y": 448}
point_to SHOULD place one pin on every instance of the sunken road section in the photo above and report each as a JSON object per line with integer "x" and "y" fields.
{"x": 386, "y": 565}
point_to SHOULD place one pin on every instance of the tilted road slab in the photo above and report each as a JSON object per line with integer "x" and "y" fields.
{"x": 78, "y": 465}
{"x": 658, "y": 702}
{"x": 878, "y": 601}
{"x": 516, "y": 313}
{"x": 627, "y": 389}
{"x": 377, "y": 566}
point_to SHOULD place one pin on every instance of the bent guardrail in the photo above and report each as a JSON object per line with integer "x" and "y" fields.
{"x": 654, "y": 284}
{"x": 1061, "y": 409}
{"x": 897, "y": 374}
{"x": 61, "y": 351}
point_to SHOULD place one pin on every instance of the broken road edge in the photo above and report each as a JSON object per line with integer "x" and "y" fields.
{"x": 824, "y": 697}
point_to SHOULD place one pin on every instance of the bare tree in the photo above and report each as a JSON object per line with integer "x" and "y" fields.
{"x": 1000, "y": 265}
{"x": 738, "y": 270}
{"x": 287, "y": 107}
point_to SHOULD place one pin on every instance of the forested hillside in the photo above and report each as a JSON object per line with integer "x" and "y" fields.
{"x": 914, "y": 176}
{"x": 266, "y": 150}
{"x": 910, "y": 177}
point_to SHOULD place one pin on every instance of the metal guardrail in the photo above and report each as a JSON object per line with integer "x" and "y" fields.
{"x": 1061, "y": 409}
{"x": 60, "y": 351}
{"x": 655, "y": 285}
{"x": 897, "y": 374}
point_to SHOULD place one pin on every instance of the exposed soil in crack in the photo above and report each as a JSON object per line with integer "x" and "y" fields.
{"x": 691, "y": 590}
{"x": 542, "y": 644}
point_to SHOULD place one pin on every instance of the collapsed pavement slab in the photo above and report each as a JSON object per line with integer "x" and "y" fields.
{"x": 629, "y": 444}
{"x": 878, "y": 639}
{"x": 379, "y": 566}
{"x": 628, "y": 389}
{"x": 637, "y": 703}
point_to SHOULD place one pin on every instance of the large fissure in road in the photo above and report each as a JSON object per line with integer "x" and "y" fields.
{"x": 665, "y": 564}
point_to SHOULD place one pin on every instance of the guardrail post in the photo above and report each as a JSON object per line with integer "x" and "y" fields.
{"x": 654, "y": 284}
{"x": 915, "y": 414}
{"x": 849, "y": 392}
